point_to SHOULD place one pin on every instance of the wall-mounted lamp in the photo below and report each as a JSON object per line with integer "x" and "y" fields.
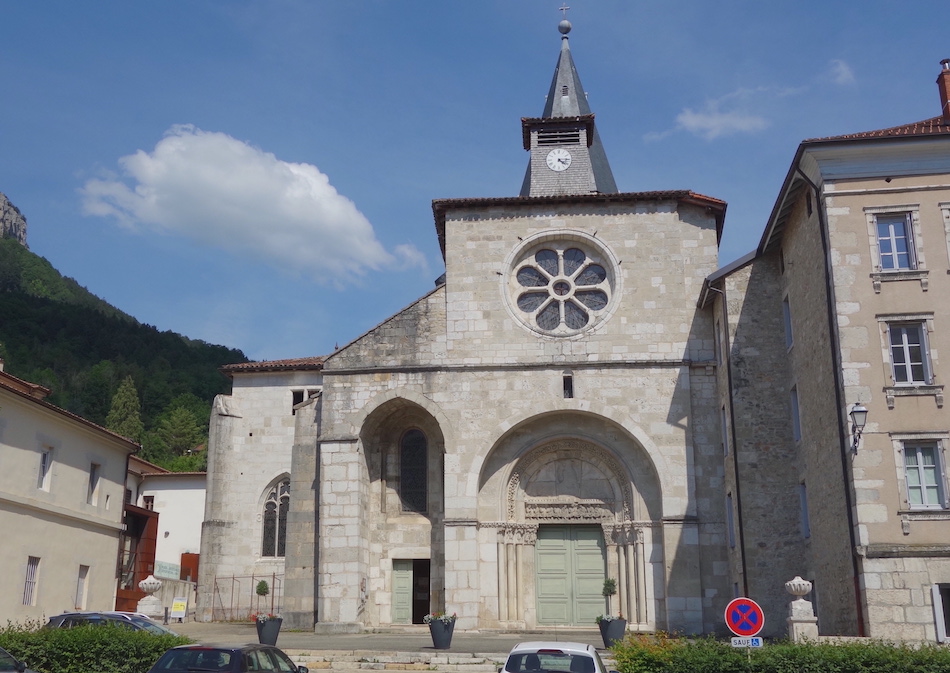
{"x": 859, "y": 418}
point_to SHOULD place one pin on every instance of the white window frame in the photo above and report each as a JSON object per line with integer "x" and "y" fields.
{"x": 31, "y": 583}
{"x": 918, "y": 447}
{"x": 905, "y": 369}
{"x": 890, "y": 261}
{"x": 940, "y": 610}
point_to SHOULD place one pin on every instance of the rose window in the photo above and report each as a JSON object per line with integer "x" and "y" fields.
{"x": 561, "y": 290}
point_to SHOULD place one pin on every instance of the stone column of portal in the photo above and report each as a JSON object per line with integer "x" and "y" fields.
{"x": 503, "y": 575}
{"x": 462, "y": 595}
{"x": 342, "y": 556}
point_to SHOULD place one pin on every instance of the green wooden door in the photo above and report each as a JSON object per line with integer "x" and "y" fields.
{"x": 402, "y": 591}
{"x": 571, "y": 567}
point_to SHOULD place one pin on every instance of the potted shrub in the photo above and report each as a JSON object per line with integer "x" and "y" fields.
{"x": 441, "y": 626}
{"x": 612, "y": 628}
{"x": 268, "y": 627}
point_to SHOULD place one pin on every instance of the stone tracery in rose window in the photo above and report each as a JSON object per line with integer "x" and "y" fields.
{"x": 562, "y": 289}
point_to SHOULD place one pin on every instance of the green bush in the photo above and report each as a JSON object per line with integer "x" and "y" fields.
{"x": 85, "y": 649}
{"x": 661, "y": 653}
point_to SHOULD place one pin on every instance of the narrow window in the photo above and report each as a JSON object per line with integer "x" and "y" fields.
{"x": 941, "y": 601}
{"x": 297, "y": 399}
{"x": 895, "y": 242}
{"x": 413, "y": 472}
{"x": 808, "y": 204}
{"x": 909, "y": 358}
{"x": 92, "y": 496}
{"x": 148, "y": 502}
{"x": 46, "y": 466}
{"x": 81, "y": 587}
{"x": 568, "y": 387}
{"x": 787, "y": 319}
{"x": 796, "y": 417}
{"x": 730, "y": 522}
{"x": 923, "y": 476}
{"x": 32, "y": 580}
{"x": 274, "y": 540}
{"x": 803, "y": 505}
{"x": 724, "y": 425}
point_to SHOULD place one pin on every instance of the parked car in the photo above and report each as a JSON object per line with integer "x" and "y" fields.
{"x": 10, "y": 663}
{"x": 229, "y": 658}
{"x": 553, "y": 657}
{"x": 132, "y": 620}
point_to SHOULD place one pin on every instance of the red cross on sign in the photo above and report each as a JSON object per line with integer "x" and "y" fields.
{"x": 744, "y": 617}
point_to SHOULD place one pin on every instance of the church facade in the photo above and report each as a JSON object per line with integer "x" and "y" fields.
{"x": 583, "y": 397}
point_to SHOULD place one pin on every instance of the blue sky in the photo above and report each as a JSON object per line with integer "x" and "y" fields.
{"x": 260, "y": 174}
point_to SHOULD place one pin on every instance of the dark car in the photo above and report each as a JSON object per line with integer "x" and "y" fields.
{"x": 10, "y": 663}
{"x": 230, "y": 658}
{"x": 129, "y": 620}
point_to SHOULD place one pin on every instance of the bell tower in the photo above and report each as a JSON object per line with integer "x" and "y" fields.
{"x": 566, "y": 153}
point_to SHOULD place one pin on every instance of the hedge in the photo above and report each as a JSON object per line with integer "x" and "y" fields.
{"x": 661, "y": 653}
{"x": 85, "y": 649}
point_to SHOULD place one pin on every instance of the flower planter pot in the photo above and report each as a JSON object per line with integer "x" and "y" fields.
{"x": 268, "y": 630}
{"x": 612, "y": 631}
{"x": 441, "y": 633}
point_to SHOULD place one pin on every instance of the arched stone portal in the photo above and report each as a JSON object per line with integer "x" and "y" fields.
{"x": 576, "y": 486}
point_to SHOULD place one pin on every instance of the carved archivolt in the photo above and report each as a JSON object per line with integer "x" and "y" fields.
{"x": 574, "y": 481}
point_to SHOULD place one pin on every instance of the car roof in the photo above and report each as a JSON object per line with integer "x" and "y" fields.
{"x": 564, "y": 646}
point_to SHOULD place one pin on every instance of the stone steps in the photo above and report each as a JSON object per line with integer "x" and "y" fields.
{"x": 349, "y": 661}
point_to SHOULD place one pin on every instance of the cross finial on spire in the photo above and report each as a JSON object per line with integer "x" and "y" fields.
{"x": 563, "y": 9}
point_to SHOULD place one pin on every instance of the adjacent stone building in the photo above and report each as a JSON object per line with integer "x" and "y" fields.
{"x": 586, "y": 395}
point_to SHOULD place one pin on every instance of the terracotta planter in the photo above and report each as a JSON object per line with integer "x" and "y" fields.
{"x": 267, "y": 631}
{"x": 612, "y": 631}
{"x": 441, "y": 633}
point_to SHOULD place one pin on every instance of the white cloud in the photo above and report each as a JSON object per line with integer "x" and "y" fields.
{"x": 225, "y": 193}
{"x": 841, "y": 73}
{"x": 723, "y": 116}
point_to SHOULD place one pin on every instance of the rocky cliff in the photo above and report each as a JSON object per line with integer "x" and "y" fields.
{"x": 12, "y": 222}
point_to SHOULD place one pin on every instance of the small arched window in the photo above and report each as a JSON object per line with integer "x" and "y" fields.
{"x": 413, "y": 469}
{"x": 275, "y": 520}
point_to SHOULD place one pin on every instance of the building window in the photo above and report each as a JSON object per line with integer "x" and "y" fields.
{"x": 909, "y": 359}
{"x": 940, "y": 593}
{"x": 148, "y": 502}
{"x": 796, "y": 414}
{"x": 92, "y": 496}
{"x": 46, "y": 467}
{"x": 413, "y": 472}
{"x": 895, "y": 242}
{"x": 803, "y": 505}
{"x": 787, "y": 320}
{"x": 81, "y": 587}
{"x": 275, "y": 520}
{"x": 730, "y": 522}
{"x": 32, "y": 580}
{"x": 724, "y": 430}
{"x": 298, "y": 397}
{"x": 923, "y": 476}
{"x": 568, "y": 386}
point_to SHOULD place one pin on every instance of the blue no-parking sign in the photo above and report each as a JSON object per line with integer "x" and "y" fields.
{"x": 744, "y": 617}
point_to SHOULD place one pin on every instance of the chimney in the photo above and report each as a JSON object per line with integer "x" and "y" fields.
{"x": 943, "y": 85}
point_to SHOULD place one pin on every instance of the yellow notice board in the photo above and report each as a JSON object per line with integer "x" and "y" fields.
{"x": 179, "y": 607}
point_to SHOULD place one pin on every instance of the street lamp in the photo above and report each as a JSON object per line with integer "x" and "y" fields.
{"x": 859, "y": 418}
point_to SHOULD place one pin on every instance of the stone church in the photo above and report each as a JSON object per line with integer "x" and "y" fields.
{"x": 579, "y": 398}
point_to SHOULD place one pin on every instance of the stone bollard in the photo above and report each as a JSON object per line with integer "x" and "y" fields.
{"x": 802, "y": 622}
{"x": 151, "y": 605}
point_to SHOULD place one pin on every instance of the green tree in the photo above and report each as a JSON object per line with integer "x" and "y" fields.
{"x": 178, "y": 433}
{"x": 125, "y": 415}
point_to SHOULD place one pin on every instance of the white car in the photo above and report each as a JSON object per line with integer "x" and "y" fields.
{"x": 553, "y": 657}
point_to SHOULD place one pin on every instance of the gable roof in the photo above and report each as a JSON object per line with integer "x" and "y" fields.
{"x": 293, "y": 364}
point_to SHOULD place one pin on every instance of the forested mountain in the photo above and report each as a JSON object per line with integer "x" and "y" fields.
{"x": 56, "y": 333}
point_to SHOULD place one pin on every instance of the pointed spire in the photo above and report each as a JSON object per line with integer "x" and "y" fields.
{"x": 566, "y": 105}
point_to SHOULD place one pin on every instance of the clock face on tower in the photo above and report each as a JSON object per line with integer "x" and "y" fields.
{"x": 559, "y": 159}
